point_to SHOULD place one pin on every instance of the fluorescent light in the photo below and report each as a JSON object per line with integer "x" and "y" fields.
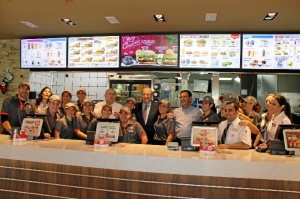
{"x": 225, "y": 78}
{"x": 112, "y": 20}
{"x": 29, "y": 24}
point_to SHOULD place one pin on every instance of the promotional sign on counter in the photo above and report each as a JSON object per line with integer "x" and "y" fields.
{"x": 271, "y": 51}
{"x": 210, "y": 51}
{"x": 157, "y": 51}
{"x": 44, "y": 53}
{"x": 94, "y": 52}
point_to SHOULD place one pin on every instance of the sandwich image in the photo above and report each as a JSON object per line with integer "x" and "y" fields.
{"x": 145, "y": 56}
{"x": 187, "y": 42}
{"x": 170, "y": 58}
{"x": 201, "y": 42}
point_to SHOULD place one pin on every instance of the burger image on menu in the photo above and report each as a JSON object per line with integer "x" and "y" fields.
{"x": 170, "y": 58}
{"x": 145, "y": 56}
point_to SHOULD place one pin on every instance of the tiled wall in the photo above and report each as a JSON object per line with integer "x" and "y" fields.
{"x": 94, "y": 82}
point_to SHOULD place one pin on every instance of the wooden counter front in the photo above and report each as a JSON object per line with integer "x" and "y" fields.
{"x": 71, "y": 169}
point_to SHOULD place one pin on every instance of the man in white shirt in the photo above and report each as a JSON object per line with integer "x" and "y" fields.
{"x": 185, "y": 115}
{"x": 110, "y": 99}
{"x": 232, "y": 135}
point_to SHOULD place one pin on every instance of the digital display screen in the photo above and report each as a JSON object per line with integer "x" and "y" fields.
{"x": 152, "y": 51}
{"x": 210, "y": 51}
{"x": 45, "y": 53}
{"x": 271, "y": 51}
{"x": 93, "y": 52}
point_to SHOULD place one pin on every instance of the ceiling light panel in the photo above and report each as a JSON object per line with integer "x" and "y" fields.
{"x": 270, "y": 16}
{"x": 112, "y": 20}
{"x": 159, "y": 18}
{"x": 211, "y": 17}
{"x": 29, "y": 24}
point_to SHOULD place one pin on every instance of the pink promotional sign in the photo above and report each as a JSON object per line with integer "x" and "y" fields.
{"x": 149, "y": 50}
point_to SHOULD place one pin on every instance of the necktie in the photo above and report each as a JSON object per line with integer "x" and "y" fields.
{"x": 145, "y": 113}
{"x": 225, "y": 133}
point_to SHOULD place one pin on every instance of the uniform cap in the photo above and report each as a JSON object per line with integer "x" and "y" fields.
{"x": 232, "y": 97}
{"x": 125, "y": 109}
{"x": 251, "y": 99}
{"x": 24, "y": 84}
{"x": 107, "y": 105}
{"x": 207, "y": 99}
{"x": 131, "y": 99}
{"x": 81, "y": 89}
{"x": 165, "y": 102}
{"x": 66, "y": 91}
{"x": 54, "y": 98}
{"x": 87, "y": 100}
{"x": 69, "y": 105}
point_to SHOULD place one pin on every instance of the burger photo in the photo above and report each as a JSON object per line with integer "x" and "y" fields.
{"x": 201, "y": 42}
{"x": 145, "y": 57}
{"x": 170, "y": 58}
{"x": 188, "y": 43}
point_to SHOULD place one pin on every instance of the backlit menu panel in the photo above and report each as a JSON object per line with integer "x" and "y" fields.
{"x": 210, "y": 51}
{"x": 44, "y": 53}
{"x": 94, "y": 52}
{"x": 271, "y": 51}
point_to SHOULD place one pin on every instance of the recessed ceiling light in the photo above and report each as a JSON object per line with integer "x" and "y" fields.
{"x": 68, "y": 22}
{"x": 270, "y": 16}
{"x": 112, "y": 20}
{"x": 211, "y": 17}
{"x": 29, "y": 24}
{"x": 159, "y": 18}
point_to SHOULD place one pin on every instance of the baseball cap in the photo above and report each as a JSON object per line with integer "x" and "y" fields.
{"x": 54, "y": 98}
{"x": 125, "y": 109}
{"x": 66, "y": 91}
{"x": 207, "y": 99}
{"x": 251, "y": 99}
{"x": 69, "y": 105}
{"x": 131, "y": 99}
{"x": 232, "y": 97}
{"x": 81, "y": 89}
{"x": 107, "y": 105}
{"x": 24, "y": 84}
{"x": 165, "y": 102}
{"x": 87, "y": 100}
{"x": 222, "y": 105}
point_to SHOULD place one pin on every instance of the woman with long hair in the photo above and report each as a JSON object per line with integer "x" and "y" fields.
{"x": 43, "y": 98}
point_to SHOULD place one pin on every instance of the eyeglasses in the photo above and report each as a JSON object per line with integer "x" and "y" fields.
{"x": 182, "y": 97}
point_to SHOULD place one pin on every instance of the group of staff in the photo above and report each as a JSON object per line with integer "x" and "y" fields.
{"x": 240, "y": 124}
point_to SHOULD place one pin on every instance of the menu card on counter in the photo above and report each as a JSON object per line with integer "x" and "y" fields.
{"x": 44, "y": 53}
{"x": 155, "y": 51}
{"x": 94, "y": 52}
{"x": 211, "y": 51}
{"x": 271, "y": 51}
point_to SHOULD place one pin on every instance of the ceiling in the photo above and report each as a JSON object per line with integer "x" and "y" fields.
{"x": 135, "y": 16}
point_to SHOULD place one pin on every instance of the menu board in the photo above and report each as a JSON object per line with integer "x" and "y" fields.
{"x": 44, "y": 53}
{"x": 157, "y": 51}
{"x": 210, "y": 51}
{"x": 94, "y": 52}
{"x": 271, "y": 51}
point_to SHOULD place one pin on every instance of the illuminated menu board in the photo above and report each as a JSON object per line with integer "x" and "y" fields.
{"x": 94, "y": 52}
{"x": 44, "y": 53}
{"x": 210, "y": 51}
{"x": 152, "y": 51}
{"x": 271, "y": 51}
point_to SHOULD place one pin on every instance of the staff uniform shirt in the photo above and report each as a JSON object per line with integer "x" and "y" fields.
{"x": 256, "y": 118}
{"x": 115, "y": 108}
{"x": 269, "y": 133}
{"x": 163, "y": 128}
{"x": 211, "y": 117}
{"x": 79, "y": 105}
{"x": 236, "y": 133}
{"x": 132, "y": 133}
{"x": 82, "y": 123}
{"x": 65, "y": 127}
{"x": 183, "y": 120}
{"x": 16, "y": 110}
{"x": 51, "y": 118}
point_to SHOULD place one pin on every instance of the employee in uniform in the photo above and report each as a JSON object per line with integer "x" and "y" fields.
{"x": 106, "y": 111}
{"x": 131, "y": 131}
{"x": 15, "y": 108}
{"x": 81, "y": 122}
{"x": 64, "y": 127}
{"x": 52, "y": 115}
{"x": 81, "y": 95}
{"x": 209, "y": 110}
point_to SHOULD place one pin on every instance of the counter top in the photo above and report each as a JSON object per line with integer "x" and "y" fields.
{"x": 157, "y": 159}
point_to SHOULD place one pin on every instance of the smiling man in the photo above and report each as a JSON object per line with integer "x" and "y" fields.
{"x": 15, "y": 108}
{"x": 232, "y": 135}
{"x": 185, "y": 115}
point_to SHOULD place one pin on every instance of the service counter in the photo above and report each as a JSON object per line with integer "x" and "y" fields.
{"x": 72, "y": 169}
